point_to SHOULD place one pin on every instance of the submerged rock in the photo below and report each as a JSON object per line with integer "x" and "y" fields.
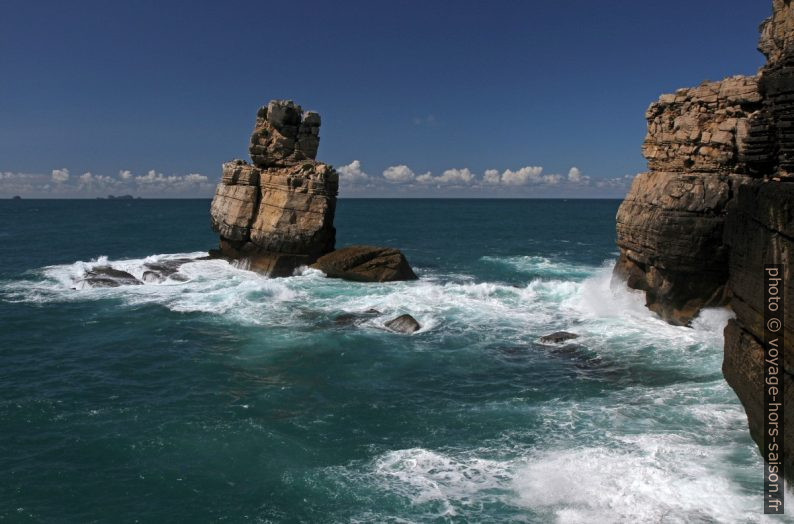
{"x": 352, "y": 319}
{"x": 162, "y": 270}
{"x": 403, "y": 324}
{"x": 558, "y": 337}
{"x": 366, "y": 264}
{"x": 106, "y": 276}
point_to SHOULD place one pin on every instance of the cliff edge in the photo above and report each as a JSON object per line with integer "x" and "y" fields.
{"x": 716, "y": 205}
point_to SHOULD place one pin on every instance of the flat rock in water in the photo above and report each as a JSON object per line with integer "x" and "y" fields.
{"x": 366, "y": 264}
{"x": 106, "y": 276}
{"x": 403, "y": 324}
{"x": 558, "y": 337}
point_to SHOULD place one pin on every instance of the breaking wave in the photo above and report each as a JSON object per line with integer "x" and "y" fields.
{"x": 653, "y": 449}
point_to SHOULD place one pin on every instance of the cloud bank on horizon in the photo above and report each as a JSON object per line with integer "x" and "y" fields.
{"x": 396, "y": 180}
{"x": 61, "y": 183}
{"x": 525, "y": 181}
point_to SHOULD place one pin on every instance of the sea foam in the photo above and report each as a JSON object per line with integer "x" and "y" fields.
{"x": 647, "y": 450}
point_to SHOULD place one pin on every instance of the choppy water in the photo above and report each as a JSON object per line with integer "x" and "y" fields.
{"x": 223, "y": 395}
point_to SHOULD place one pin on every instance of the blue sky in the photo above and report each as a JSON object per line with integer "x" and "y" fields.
{"x": 149, "y": 98}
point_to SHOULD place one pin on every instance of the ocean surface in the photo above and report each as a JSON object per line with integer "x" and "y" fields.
{"x": 222, "y": 395}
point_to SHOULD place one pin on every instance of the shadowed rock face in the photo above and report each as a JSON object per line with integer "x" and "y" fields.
{"x": 717, "y": 205}
{"x": 278, "y": 213}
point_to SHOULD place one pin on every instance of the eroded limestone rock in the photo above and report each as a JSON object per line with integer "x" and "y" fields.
{"x": 277, "y": 213}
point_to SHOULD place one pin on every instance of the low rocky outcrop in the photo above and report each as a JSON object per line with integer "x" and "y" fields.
{"x": 277, "y": 213}
{"x": 716, "y": 206}
{"x": 354, "y": 319}
{"x": 106, "y": 276}
{"x": 366, "y": 264}
{"x": 165, "y": 269}
{"x": 558, "y": 337}
{"x": 403, "y": 324}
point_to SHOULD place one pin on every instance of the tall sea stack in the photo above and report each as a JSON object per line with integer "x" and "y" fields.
{"x": 717, "y": 205}
{"x": 278, "y": 213}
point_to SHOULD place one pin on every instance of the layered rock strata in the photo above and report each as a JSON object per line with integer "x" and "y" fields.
{"x": 670, "y": 226}
{"x": 760, "y": 230}
{"x": 718, "y": 205}
{"x": 277, "y": 213}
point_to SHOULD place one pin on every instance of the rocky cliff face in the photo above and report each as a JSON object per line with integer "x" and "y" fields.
{"x": 278, "y": 213}
{"x": 669, "y": 227}
{"x": 716, "y": 206}
{"x": 760, "y": 230}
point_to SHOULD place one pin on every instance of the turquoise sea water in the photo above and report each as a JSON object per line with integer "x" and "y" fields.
{"x": 222, "y": 395}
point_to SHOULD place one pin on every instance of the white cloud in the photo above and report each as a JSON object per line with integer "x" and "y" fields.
{"x": 425, "y": 178}
{"x": 575, "y": 176}
{"x": 400, "y": 173}
{"x": 60, "y": 175}
{"x": 59, "y": 182}
{"x": 153, "y": 178}
{"x": 463, "y": 176}
{"x": 195, "y": 178}
{"x": 551, "y": 180}
{"x": 91, "y": 181}
{"x": 10, "y": 175}
{"x": 352, "y": 173}
{"x": 450, "y": 176}
{"x": 491, "y": 176}
{"x": 620, "y": 182}
{"x": 522, "y": 176}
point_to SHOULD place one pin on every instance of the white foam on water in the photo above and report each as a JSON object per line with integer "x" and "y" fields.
{"x": 632, "y": 460}
{"x": 539, "y": 266}
{"x": 210, "y": 286}
{"x": 654, "y": 477}
{"x": 606, "y": 315}
{"x": 423, "y": 476}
